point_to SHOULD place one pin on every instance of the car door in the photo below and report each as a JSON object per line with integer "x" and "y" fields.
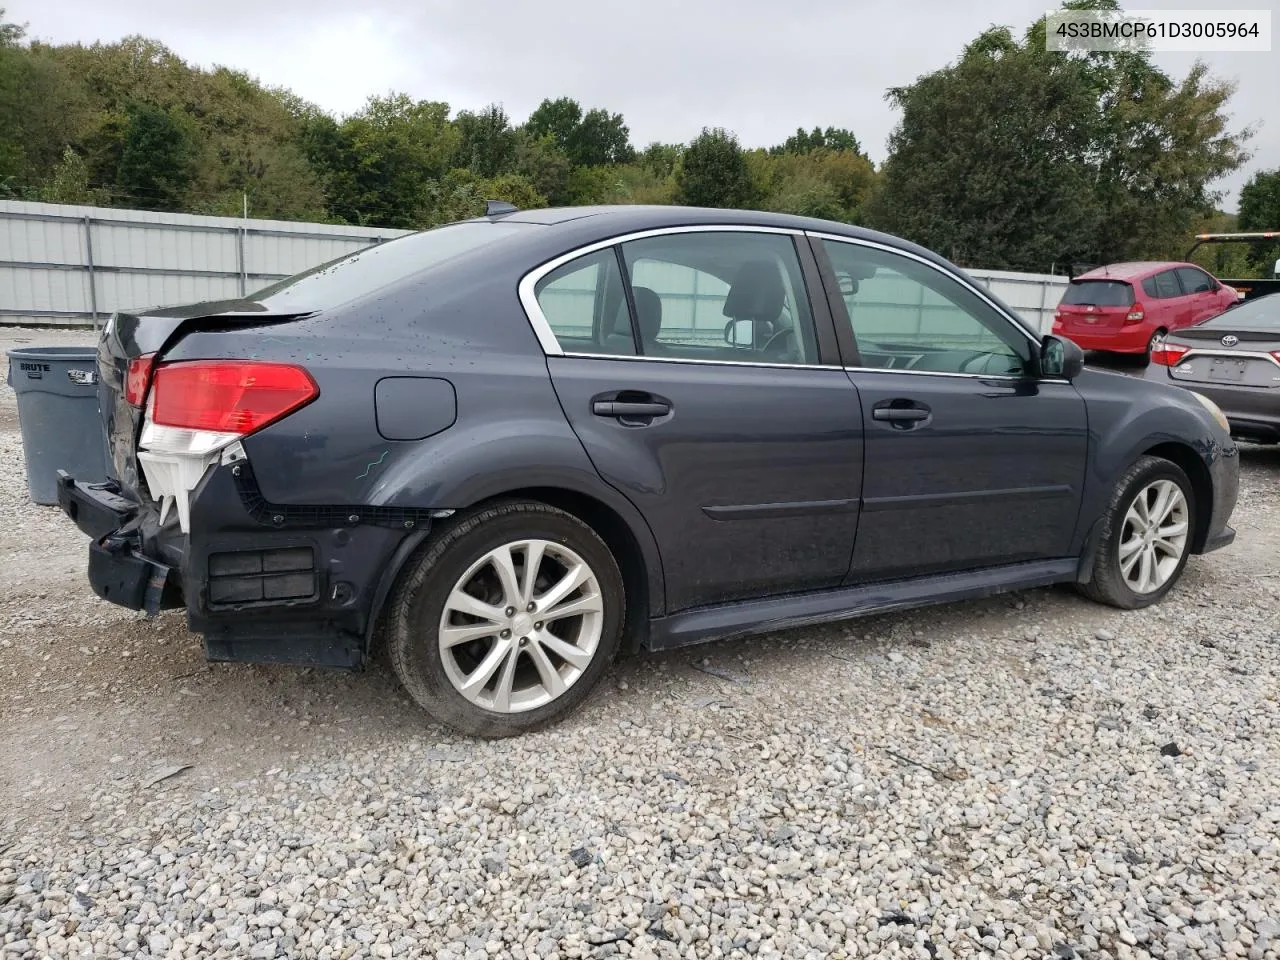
{"x": 1172, "y": 307}
{"x": 693, "y": 371}
{"x": 970, "y": 460}
{"x": 1202, "y": 294}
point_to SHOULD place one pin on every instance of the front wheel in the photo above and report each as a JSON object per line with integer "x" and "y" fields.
{"x": 508, "y": 620}
{"x": 1146, "y": 536}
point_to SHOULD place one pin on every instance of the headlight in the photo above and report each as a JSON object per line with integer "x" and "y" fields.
{"x": 1214, "y": 410}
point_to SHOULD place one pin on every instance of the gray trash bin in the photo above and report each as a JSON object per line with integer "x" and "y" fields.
{"x": 58, "y": 412}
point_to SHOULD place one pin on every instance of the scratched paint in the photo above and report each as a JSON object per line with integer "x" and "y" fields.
{"x": 372, "y": 465}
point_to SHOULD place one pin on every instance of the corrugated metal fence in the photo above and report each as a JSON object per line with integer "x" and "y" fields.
{"x": 1033, "y": 295}
{"x": 74, "y": 266}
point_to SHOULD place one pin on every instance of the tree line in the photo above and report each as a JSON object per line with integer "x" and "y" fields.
{"x": 1013, "y": 157}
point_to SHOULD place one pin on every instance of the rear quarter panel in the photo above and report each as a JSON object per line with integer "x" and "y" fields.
{"x": 465, "y": 326}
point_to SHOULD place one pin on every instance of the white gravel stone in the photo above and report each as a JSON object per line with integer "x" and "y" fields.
{"x": 925, "y": 784}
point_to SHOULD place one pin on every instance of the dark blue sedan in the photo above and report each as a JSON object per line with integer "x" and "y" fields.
{"x": 519, "y": 445}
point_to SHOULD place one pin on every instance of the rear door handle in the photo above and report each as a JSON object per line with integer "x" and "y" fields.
{"x": 900, "y": 414}
{"x": 622, "y": 408}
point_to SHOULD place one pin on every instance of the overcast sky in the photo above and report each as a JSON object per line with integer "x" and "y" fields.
{"x": 757, "y": 67}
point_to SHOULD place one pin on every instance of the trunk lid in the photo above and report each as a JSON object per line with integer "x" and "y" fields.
{"x": 130, "y": 336}
{"x": 1096, "y": 303}
{"x": 1225, "y": 357}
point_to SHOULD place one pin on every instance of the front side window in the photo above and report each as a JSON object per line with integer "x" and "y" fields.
{"x": 1195, "y": 281}
{"x": 720, "y": 295}
{"x": 908, "y": 316}
{"x": 586, "y": 307}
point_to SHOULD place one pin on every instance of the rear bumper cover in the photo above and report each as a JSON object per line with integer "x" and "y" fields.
{"x": 1127, "y": 339}
{"x": 239, "y": 572}
{"x": 119, "y": 570}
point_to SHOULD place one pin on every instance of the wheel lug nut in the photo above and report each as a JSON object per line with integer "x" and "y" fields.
{"x": 511, "y": 611}
{"x": 538, "y": 625}
{"x": 524, "y": 641}
{"x": 505, "y": 634}
{"x": 532, "y": 606}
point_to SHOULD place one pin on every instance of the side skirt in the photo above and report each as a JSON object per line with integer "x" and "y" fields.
{"x": 798, "y": 610}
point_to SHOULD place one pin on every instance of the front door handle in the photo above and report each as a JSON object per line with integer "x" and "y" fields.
{"x": 900, "y": 414}
{"x": 624, "y": 408}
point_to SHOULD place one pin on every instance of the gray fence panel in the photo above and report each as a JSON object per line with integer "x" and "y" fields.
{"x": 71, "y": 265}
{"x": 74, "y": 266}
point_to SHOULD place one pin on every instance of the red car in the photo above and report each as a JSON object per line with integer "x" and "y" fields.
{"x": 1124, "y": 307}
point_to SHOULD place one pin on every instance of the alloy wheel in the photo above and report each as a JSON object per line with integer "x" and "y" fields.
{"x": 521, "y": 625}
{"x": 1154, "y": 537}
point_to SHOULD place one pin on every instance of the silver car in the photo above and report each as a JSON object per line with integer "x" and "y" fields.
{"x": 1234, "y": 360}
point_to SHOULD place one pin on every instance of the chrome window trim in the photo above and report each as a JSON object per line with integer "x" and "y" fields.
{"x": 695, "y": 360}
{"x": 968, "y": 376}
{"x": 1018, "y": 323}
{"x": 542, "y": 327}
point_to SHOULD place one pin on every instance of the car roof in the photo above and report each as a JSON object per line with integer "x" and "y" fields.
{"x": 1135, "y": 270}
{"x": 618, "y": 219}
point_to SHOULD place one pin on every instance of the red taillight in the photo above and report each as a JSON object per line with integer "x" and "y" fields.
{"x": 137, "y": 378}
{"x": 1136, "y": 314}
{"x": 1168, "y": 354}
{"x": 1276, "y": 354}
{"x": 228, "y": 396}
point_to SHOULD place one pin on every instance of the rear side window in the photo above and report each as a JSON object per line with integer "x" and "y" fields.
{"x": 1195, "y": 281}
{"x": 1099, "y": 293}
{"x": 1261, "y": 313}
{"x": 358, "y": 274}
{"x": 586, "y": 307}
{"x": 1167, "y": 286}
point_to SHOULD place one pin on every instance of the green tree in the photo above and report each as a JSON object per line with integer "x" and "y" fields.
{"x": 70, "y": 183}
{"x": 1260, "y": 212}
{"x": 832, "y": 138}
{"x": 399, "y": 146}
{"x": 825, "y": 183}
{"x": 591, "y": 139}
{"x": 713, "y": 172}
{"x": 661, "y": 158}
{"x": 542, "y": 162}
{"x": 1018, "y": 157}
{"x": 487, "y": 143}
{"x": 558, "y": 119}
{"x": 156, "y": 158}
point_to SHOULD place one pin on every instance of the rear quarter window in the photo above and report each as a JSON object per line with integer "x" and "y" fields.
{"x": 359, "y": 274}
{"x": 1099, "y": 293}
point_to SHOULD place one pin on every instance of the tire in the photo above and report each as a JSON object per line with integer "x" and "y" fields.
{"x": 518, "y": 694}
{"x": 1118, "y": 582}
{"x": 1146, "y": 355}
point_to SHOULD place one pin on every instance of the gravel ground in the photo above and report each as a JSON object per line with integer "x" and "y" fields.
{"x": 1025, "y": 776}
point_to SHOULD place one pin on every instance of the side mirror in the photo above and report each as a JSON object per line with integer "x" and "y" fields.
{"x": 740, "y": 333}
{"x": 1060, "y": 358}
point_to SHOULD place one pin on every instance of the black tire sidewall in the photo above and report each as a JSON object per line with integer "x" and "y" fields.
{"x": 1155, "y": 469}
{"x": 415, "y": 622}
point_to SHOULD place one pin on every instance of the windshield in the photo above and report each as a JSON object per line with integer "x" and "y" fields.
{"x": 356, "y": 274}
{"x": 1262, "y": 313}
{"x": 1099, "y": 293}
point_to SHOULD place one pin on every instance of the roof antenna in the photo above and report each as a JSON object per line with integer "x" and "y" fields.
{"x": 498, "y": 208}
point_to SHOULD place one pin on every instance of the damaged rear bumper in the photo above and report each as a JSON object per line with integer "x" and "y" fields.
{"x": 262, "y": 582}
{"x": 119, "y": 571}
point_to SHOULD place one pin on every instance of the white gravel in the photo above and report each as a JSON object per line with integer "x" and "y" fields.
{"x": 1027, "y": 776}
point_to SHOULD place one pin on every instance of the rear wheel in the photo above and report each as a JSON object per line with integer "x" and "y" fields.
{"x": 1146, "y": 536}
{"x": 1155, "y": 338}
{"x": 508, "y": 620}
